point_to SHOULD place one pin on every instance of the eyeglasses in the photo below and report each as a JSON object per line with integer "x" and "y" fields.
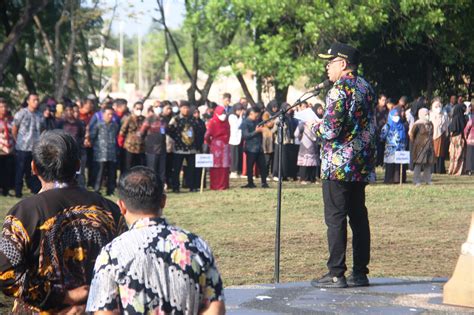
{"x": 333, "y": 61}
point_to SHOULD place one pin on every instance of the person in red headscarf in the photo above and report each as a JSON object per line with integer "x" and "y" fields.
{"x": 217, "y": 137}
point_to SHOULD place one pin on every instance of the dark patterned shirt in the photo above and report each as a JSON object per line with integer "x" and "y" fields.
{"x": 184, "y": 131}
{"x": 348, "y": 131}
{"x": 154, "y": 131}
{"x": 30, "y": 124}
{"x": 155, "y": 268}
{"x": 104, "y": 139}
{"x": 130, "y": 130}
{"x": 50, "y": 242}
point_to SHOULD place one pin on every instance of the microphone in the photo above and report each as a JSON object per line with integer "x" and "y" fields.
{"x": 322, "y": 85}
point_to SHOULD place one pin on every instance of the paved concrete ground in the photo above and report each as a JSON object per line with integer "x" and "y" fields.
{"x": 384, "y": 296}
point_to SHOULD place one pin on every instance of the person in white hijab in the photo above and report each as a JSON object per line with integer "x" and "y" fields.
{"x": 440, "y": 121}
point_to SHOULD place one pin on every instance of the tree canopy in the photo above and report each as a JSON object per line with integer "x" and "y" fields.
{"x": 409, "y": 47}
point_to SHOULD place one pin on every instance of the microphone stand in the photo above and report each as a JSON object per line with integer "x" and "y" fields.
{"x": 281, "y": 124}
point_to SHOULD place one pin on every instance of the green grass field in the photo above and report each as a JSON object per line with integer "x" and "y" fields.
{"x": 416, "y": 231}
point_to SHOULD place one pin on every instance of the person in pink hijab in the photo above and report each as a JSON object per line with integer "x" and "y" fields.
{"x": 217, "y": 137}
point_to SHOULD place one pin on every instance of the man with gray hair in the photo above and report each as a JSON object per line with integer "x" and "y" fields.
{"x": 50, "y": 241}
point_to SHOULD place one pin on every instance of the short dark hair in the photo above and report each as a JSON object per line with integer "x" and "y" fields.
{"x": 254, "y": 109}
{"x": 120, "y": 102}
{"x": 3, "y": 100}
{"x": 30, "y": 95}
{"x": 226, "y": 95}
{"x": 108, "y": 106}
{"x": 56, "y": 155}
{"x": 141, "y": 190}
{"x": 184, "y": 103}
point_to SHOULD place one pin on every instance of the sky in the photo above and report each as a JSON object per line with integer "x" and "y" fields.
{"x": 136, "y": 15}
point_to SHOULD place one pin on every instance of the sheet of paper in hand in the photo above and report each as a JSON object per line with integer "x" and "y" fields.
{"x": 306, "y": 115}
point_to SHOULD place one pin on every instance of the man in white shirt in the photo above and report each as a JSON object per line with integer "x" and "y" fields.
{"x": 235, "y": 120}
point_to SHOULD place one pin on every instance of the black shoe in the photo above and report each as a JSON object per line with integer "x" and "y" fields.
{"x": 357, "y": 280}
{"x": 328, "y": 281}
{"x": 176, "y": 190}
{"x": 249, "y": 186}
{"x": 265, "y": 185}
{"x": 19, "y": 196}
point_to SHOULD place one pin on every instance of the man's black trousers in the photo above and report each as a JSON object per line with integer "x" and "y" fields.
{"x": 258, "y": 158}
{"x": 342, "y": 200}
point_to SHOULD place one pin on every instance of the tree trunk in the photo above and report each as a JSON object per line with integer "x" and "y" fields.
{"x": 17, "y": 62}
{"x": 69, "y": 60}
{"x": 194, "y": 73}
{"x": 245, "y": 88}
{"x": 259, "y": 89}
{"x": 87, "y": 63}
{"x": 76, "y": 85}
{"x": 47, "y": 44}
{"x": 178, "y": 54}
{"x": 15, "y": 34}
{"x": 57, "y": 50}
{"x": 281, "y": 94}
{"x": 106, "y": 39}
{"x": 157, "y": 78}
{"x": 206, "y": 89}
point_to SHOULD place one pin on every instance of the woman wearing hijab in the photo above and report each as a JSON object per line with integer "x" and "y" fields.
{"x": 469, "y": 136}
{"x": 440, "y": 135}
{"x": 308, "y": 154}
{"x": 421, "y": 136}
{"x": 457, "y": 144}
{"x": 217, "y": 137}
{"x": 395, "y": 137}
{"x": 268, "y": 141}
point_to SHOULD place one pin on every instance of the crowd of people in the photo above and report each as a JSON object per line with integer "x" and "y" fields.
{"x": 433, "y": 133}
{"x": 167, "y": 136}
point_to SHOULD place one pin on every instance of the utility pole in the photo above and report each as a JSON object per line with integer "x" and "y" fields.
{"x": 167, "y": 64}
{"x": 121, "y": 83}
{"x": 140, "y": 82}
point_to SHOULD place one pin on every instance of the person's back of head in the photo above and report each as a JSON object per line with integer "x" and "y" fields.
{"x": 56, "y": 157}
{"x": 140, "y": 190}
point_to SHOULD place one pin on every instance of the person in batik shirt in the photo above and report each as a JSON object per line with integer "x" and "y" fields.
{"x": 155, "y": 267}
{"x": 103, "y": 136}
{"x": 7, "y": 149}
{"x": 134, "y": 145}
{"x": 50, "y": 241}
{"x": 348, "y": 132}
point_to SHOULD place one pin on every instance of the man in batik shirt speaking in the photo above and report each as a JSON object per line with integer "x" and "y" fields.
{"x": 348, "y": 164}
{"x": 155, "y": 267}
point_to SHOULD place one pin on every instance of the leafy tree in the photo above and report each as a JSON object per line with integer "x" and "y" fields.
{"x": 51, "y": 55}
{"x": 284, "y": 36}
